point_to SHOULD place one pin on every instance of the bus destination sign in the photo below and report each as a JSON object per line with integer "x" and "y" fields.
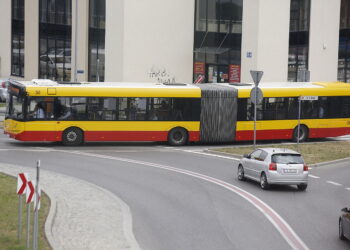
{"x": 308, "y": 98}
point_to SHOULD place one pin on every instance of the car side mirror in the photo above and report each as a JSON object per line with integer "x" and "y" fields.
{"x": 345, "y": 209}
{"x": 246, "y": 156}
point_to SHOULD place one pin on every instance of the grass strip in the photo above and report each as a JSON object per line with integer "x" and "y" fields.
{"x": 9, "y": 217}
{"x": 311, "y": 152}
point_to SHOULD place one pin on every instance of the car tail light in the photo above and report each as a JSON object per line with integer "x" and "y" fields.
{"x": 306, "y": 168}
{"x": 273, "y": 166}
{"x": 3, "y": 84}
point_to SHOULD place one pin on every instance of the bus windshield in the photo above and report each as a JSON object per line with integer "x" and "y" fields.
{"x": 15, "y": 107}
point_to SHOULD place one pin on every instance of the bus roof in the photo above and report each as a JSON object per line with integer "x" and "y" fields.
{"x": 109, "y": 89}
{"x": 290, "y": 89}
{"x": 43, "y": 87}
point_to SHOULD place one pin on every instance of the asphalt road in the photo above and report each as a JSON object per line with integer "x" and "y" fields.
{"x": 184, "y": 198}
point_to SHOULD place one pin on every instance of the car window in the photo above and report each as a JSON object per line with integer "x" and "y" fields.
{"x": 287, "y": 159}
{"x": 263, "y": 155}
{"x": 256, "y": 154}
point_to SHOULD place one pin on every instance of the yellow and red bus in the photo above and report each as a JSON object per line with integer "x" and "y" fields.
{"x": 74, "y": 113}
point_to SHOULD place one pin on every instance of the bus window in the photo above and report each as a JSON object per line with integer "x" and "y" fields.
{"x": 37, "y": 108}
{"x": 102, "y": 109}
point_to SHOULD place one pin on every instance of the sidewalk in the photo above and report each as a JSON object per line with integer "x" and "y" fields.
{"x": 82, "y": 215}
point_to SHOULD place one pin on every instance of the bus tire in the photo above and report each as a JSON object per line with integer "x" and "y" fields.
{"x": 303, "y": 133}
{"x": 177, "y": 136}
{"x": 72, "y": 136}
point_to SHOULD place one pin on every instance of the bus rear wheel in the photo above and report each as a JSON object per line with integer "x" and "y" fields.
{"x": 72, "y": 137}
{"x": 177, "y": 136}
{"x": 303, "y": 133}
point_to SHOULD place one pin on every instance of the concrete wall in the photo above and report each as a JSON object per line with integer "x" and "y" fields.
{"x": 5, "y": 38}
{"x": 324, "y": 40}
{"x": 115, "y": 41}
{"x": 31, "y": 39}
{"x": 80, "y": 40}
{"x": 265, "y": 34}
{"x": 156, "y": 40}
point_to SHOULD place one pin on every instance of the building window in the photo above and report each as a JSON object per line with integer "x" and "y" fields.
{"x": 97, "y": 18}
{"x": 344, "y": 42}
{"x": 217, "y": 40}
{"x": 17, "y": 54}
{"x": 55, "y": 29}
{"x": 298, "y": 39}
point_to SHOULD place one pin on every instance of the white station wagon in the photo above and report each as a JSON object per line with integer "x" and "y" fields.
{"x": 274, "y": 166}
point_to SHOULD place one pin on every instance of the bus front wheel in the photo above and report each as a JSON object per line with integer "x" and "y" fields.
{"x": 72, "y": 137}
{"x": 177, "y": 136}
{"x": 303, "y": 133}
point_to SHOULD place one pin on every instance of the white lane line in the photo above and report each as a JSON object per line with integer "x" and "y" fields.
{"x": 314, "y": 176}
{"x": 213, "y": 155}
{"x": 277, "y": 221}
{"x": 347, "y": 189}
{"x": 334, "y": 183}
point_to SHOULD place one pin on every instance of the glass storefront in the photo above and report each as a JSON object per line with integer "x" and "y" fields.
{"x": 55, "y": 29}
{"x": 217, "y": 41}
{"x": 97, "y": 19}
{"x": 17, "y": 43}
{"x": 298, "y": 39}
{"x": 344, "y": 42}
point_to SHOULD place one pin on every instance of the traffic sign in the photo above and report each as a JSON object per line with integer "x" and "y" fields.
{"x": 22, "y": 180}
{"x": 259, "y": 95}
{"x": 256, "y": 75}
{"x": 30, "y": 192}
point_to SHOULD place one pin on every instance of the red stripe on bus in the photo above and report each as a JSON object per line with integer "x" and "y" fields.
{"x": 101, "y": 136}
{"x": 328, "y": 132}
{"x": 133, "y": 135}
{"x": 247, "y": 135}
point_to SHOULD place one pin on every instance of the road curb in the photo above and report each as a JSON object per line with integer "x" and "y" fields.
{"x": 80, "y": 210}
{"x": 320, "y": 164}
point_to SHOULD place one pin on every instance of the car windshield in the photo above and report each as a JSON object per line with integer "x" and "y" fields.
{"x": 287, "y": 159}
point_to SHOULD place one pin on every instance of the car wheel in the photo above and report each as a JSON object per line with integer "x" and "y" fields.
{"x": 302, "y": 187}
{"x": 303, "y": 133}
{"x": 240, "y": 173}
{"x": 341, "y": 232}
{"x": 72, "y": 137}
{"x": 177, "y": 137}
{"x": 263, "y": 181}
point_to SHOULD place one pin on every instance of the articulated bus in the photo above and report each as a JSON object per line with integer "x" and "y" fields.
{"x": 73, "y": 113}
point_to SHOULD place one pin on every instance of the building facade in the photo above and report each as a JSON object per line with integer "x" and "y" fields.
{"x": 175, "y": 41}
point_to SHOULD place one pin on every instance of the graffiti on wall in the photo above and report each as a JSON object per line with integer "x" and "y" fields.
{"x": 161, "y": 75}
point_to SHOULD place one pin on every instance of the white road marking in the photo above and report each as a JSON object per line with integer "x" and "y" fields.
{"x": 214, "y": 155}
{"x": 314, "y": 176}
{"x": 277, "y": 221}
{"x": 202, "y": 153}
{"x": 347, "y": 189}
{"x": 334, "y": 183}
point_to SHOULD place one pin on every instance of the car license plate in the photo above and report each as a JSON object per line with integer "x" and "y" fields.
{"x": 290, "y": 171}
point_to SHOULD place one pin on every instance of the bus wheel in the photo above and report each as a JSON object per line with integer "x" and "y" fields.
{"x": 303, "y": 133}
{"x": 72, "y": 137}
{"x": 177, "y": 136}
